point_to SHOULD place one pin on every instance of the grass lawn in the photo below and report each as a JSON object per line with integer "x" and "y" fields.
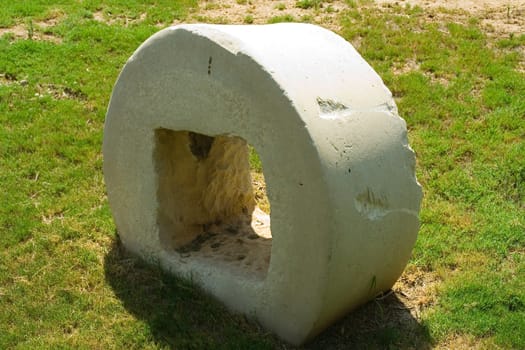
{"x": 65, "y": 282}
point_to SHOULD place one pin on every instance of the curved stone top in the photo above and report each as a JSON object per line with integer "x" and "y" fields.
{"x": 307, "y": 61}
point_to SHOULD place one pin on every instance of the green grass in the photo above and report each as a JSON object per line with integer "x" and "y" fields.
{"x": 306, "y": 4}
{"x": 64, "y": 280}
{"x": 248, "y": 19}
{"x": 465, "y": 108}
{"x": 158, "y": 11}
{"x": 283, "y": 18}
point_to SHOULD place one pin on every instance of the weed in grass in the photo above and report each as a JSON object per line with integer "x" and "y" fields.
{"x": 279, "y": 19}
{"x": 330, "y": 9}
{"x": 307, "y": 19}
{"x": 306, "y": 4}
{"x": 248, "y": 19}
{"x": 30, "y": 29}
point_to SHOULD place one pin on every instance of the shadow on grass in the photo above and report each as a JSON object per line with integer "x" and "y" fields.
{"x": 383, "y": 323}
{"x": 180, "y": 316}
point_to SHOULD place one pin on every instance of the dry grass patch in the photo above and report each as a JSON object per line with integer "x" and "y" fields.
{"x": 498, "y": 18}
{"x": 121, "y": 19}
{"x": 7, "y": 79}
{"x": 59, "y": 92}
{"x": 466, "y": 341}
{"x": 417, "y": 289}
{"x": 261, "y": 12}
{"x": 34, "y": 30}
{"x": 259, "y": 191}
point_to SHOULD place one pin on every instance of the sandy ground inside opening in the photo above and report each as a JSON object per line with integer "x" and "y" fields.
{"x": 244, "y": 249}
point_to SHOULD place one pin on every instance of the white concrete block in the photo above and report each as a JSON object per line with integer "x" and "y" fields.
{"x": 339, "y": 170}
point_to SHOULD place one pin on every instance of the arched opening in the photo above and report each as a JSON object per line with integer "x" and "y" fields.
{"x": 212, "y": 201}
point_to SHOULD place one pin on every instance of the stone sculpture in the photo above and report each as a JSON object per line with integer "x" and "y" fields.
{"x": 339, "y": 170}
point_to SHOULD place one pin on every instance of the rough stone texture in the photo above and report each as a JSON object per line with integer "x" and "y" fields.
{"x": 206, "y": 202}
{"x": 339, "y": 171}
{"x": 202, "y": 181}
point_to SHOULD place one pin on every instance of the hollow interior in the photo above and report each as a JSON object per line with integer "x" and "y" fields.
{"x": 208, "y": 196}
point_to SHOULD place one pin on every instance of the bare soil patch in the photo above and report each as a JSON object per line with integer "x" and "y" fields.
{"x": 110, "y": 19}
{"x": 261, "y": 11}
{"x": 33, "y": 30}
{"x": 497, "y": 17}
{"x": 466, "y": 5}
{"x": 18, "y": 31}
